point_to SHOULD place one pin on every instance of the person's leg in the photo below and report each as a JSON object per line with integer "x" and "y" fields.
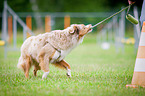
{"x": 142, "y": 17}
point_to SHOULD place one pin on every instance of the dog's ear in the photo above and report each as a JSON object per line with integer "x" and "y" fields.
{"x": 74, "y": 29}
{"x": 71, "y": 31}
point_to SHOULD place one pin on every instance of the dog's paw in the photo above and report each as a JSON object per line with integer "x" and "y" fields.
{"x": 69, "y": 75}
{"x": 45, "y": 75}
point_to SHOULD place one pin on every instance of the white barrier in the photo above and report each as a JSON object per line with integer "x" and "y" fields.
{"x": 15, "y": 20}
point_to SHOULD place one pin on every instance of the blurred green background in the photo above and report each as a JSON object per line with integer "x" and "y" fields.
{"x": 68, "y": 5}
{"x": 32, "y": 6}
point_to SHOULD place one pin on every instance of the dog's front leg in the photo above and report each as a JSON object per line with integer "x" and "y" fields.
{"x": 44, "y": 64}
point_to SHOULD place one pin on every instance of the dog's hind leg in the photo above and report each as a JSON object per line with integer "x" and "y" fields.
{"x": 44, "y": 64}
{"x": 28, "y": 66}
{"x": 64, "y": 65}
{"x": 36, "y": 68}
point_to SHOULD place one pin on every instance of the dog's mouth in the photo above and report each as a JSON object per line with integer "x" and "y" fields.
{"x": 90, "y": 30}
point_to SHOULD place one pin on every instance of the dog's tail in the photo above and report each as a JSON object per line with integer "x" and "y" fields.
{"x": 21, "y": 64}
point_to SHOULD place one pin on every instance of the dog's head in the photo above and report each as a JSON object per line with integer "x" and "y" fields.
{"x": 80, "y": 29}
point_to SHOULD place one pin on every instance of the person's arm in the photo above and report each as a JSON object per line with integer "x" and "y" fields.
{"x": 131, "y": 1}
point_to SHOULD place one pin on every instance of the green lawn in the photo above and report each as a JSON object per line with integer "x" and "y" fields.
{"x": 94, "y": 72}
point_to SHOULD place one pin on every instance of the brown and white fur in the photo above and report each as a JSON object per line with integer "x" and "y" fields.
{"x": 51, "y": 47}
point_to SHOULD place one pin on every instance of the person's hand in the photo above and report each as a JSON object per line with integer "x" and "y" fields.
{"x": 130, "y": 2}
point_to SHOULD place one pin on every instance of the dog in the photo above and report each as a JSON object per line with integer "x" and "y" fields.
{"x": 51, "y": 47}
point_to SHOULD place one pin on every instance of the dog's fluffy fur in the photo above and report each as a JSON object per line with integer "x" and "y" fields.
{"x": 51, "y": 47}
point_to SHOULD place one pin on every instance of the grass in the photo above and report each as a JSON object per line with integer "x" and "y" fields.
{"x": 94, "y": 72}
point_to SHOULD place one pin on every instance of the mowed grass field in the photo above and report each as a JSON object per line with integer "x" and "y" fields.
{"x": 95, "y": 72}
